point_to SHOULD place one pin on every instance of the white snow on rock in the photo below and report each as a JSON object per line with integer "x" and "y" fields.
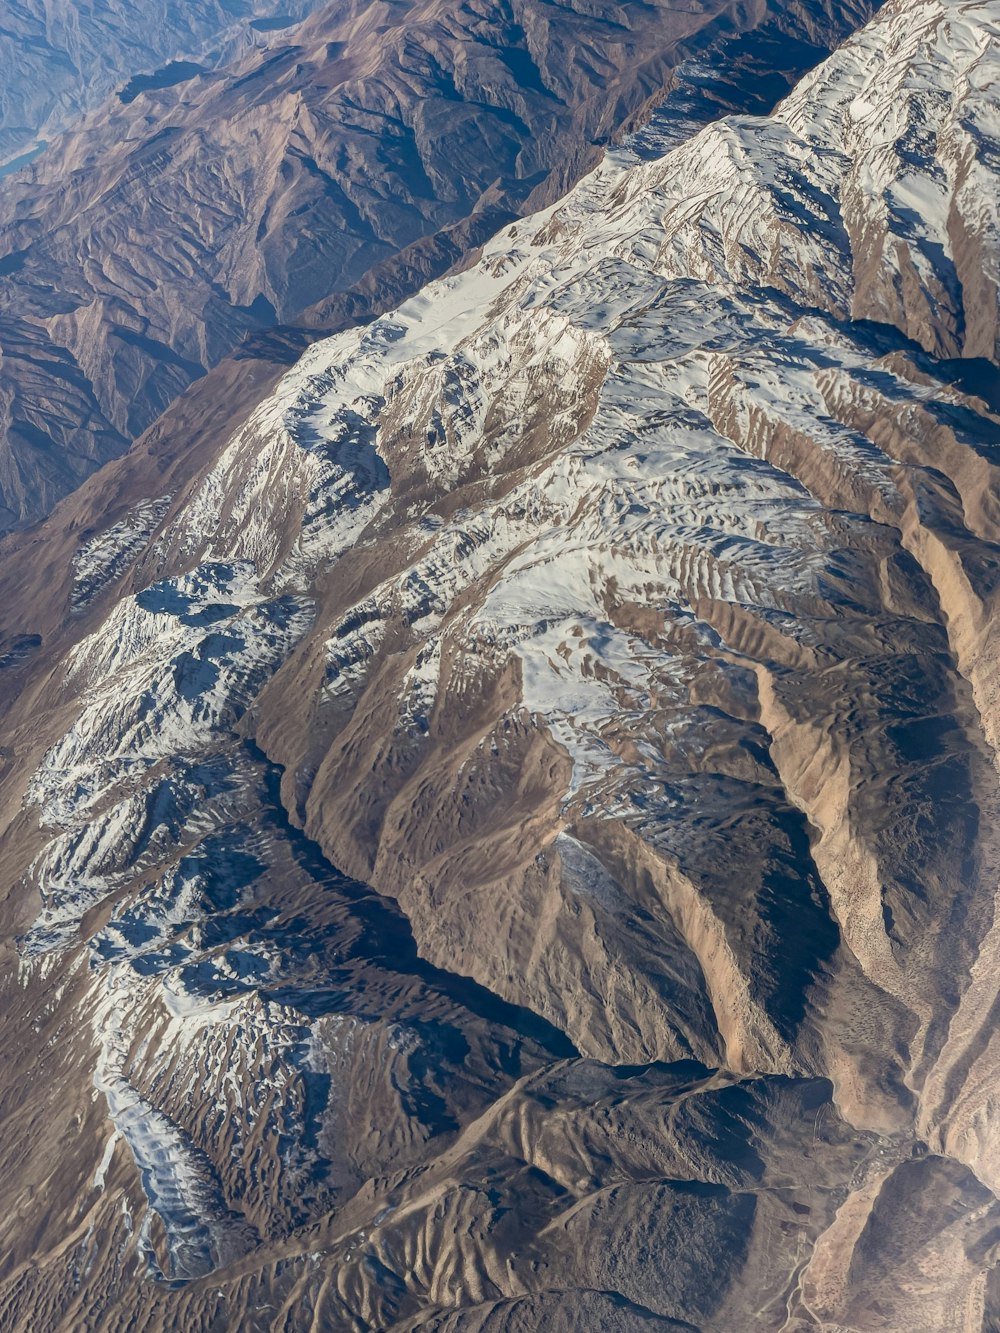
{"x": 103, "y": 558}
{"x": 620, "y": 363}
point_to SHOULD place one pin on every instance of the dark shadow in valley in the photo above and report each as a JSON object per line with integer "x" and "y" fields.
{"x": 386, "y": 940}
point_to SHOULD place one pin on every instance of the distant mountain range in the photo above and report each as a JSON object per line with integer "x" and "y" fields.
{"x": 60, "y": 59}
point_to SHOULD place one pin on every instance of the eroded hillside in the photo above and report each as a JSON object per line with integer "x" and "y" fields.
{"x": 621, "y": 610}
{"x": 322, "y": 180}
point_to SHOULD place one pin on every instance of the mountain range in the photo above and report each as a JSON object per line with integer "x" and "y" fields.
{"x": 59, "y": 60}
{"x": 499, "y": 799}
{"x": 320, "y": 181}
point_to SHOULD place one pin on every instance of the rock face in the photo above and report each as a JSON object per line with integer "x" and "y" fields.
{"x": 140, "y": 250}
{"x": 623, "y": 611}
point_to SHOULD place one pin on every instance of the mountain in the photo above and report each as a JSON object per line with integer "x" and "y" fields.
{"x": 499, "y": 823}
{"x": 320, "y": 181}
{"x": 59, "y": 60}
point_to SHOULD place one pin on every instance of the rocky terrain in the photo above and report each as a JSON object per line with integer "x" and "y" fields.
{"x": 320, "y": 180}
{"x": 500, "y": 820}
{"x": 59, "y": 59}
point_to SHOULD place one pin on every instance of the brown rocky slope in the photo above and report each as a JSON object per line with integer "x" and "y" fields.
{"x": 140, "y": 249}
{"x": 623, "y": 610}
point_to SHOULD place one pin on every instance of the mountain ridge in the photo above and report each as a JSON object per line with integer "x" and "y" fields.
{"x": 622, "y": 609}
{"x": 284, "y": 186}
{"x": 58, "y": 62}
